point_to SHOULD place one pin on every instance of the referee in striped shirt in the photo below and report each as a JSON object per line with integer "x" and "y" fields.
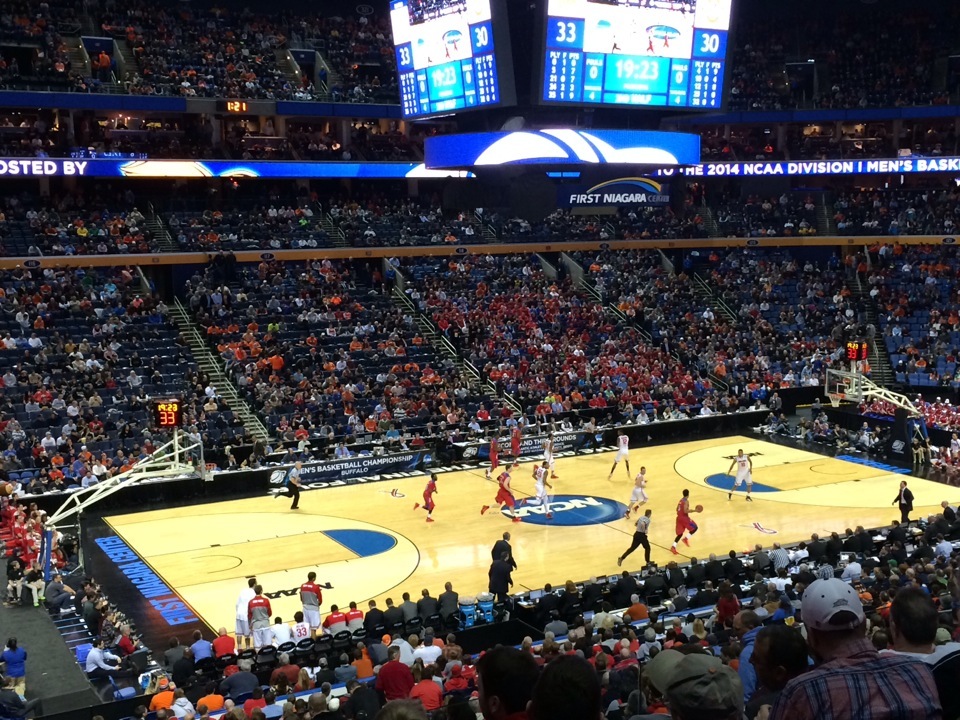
{"x": 640, "y": 538}
{"x": 779, "y": 557}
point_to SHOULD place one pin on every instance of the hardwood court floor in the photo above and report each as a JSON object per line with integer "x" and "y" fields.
{"x": 369, "y": 544}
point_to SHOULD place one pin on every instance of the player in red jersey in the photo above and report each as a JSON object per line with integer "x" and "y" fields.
{"x": 494, "y": 456}
{"x": 685, "y": 525}
{"x": 428, "y": 493}
{"x": 504, "y": 496}
{"x": 515, "y": 436}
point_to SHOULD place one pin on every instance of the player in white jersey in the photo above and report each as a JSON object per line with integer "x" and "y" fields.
{"x": 954, "y": 447}
{"x": 639, "y": 495}
{"x": 244, "y": 632}
{"x": 744, "y": 466}
{"x": 623, "y": 453}
{"x": 301, "y": 628}
{"x": 541, "y": 483}
{"x": 548, "y": 459}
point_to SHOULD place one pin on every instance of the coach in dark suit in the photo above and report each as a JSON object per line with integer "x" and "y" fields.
{"x": 373, "y": 620}
{"x": 449, "y": 601}
{"x": 949, "y": 514}
{"x": 500, "y": 580}
{"x": 503, "y": 546}
{"x": 904, "y": 500}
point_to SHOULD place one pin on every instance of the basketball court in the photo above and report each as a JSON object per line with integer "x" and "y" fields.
{"x": 368, "y": 542}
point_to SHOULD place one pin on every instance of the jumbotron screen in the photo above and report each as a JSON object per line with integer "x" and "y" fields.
{"x": 449, "y": 54}
{"x": 636, "y": 52}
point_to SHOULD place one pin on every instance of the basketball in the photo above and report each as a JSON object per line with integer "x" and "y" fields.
{"x": 6, "y": 489}
{"x": 699, "y": 508}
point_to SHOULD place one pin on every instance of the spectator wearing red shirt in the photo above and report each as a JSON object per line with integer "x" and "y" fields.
{"x": 728, "y": 605}
{"x": 126, "y": 645}
{"x": 256, "y": 701}
{"x": 395, "y": 680}
{"x": 224, "y": 644}
{"x": 426, "y": 690}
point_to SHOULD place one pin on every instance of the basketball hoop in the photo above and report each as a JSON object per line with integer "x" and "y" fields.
{"x": 836, "y": 398}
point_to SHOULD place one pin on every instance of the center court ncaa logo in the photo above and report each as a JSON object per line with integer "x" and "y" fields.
{"x": 572, "y": 510}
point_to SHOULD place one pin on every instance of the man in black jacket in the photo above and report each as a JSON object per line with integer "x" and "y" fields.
{"x": 654, "y": 586}
{"x": 625, "y": 587}
{"x": 833, "y": 548}
{"x": 707, "y": 597}
{"x": 904, "y": 500}
{"x": 760, "y": 561}
{"x": 816, "y": 549}
{"x": 591, "y": 595}
{"x": 696, "y": 574}
{"x": 500, "y": 579}
{"x": 392, "y": 615}
{"x": 674, "y": 576}
{"x": 733, "y": 568}
{"x": 427, "y": 606}
{"x": 897, "y": 533}
{"x": 449, "y": 601}
{"x": 714, "y": 569}
{"x": 361, "y": 702}
{"x": 547, "y": 604}
{"x": 12, "y": 705}
{"x": 373, "y": 620}
{"x": 867, "y": 546}
{"x": 949, "y": 514}
{"x": 503, "y": 546}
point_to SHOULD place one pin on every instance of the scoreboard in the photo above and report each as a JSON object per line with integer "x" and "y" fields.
{"x": 857, "y": 350}
{"x": 667, "y": 53}
{"x": 168, "y": 413}
{"x": 451, "y": 55}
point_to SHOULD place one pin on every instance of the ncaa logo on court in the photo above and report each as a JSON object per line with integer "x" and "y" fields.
{"x": 571, "y": 510}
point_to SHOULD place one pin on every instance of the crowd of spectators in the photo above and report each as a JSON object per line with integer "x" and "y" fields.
{"x": 642, "y": 223}
{"x": 922, "y": 211}
{"x": 792, "y": 214}
{"x": 289, "y": 225}
{"x": 73, "y": 224}
{"x": 549, "y": 343}
{"x": 740, "y": 143}
{"x": 882, "y": 59}
{"x": 83, "y": 352}
{"x": 396, "y": 221}
{"x": 325, "y": 357}
{"x": 730, "y": 635}
{"x": 913, "y": 287}
{"x": 360, "y": 53}
{"x": 30, "y": 137}
{"x": 35, "y": 52}
{"x": 779, "y": 332}
{"x": 866, "y": 140}
{"x": 196, "y": 53}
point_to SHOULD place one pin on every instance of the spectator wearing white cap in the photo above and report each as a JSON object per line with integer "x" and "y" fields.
{"x": 852, "y": 680}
